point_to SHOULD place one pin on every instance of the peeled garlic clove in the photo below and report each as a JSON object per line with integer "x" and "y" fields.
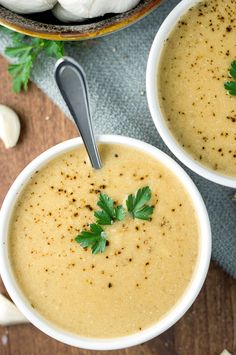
{"x": 225, "y": 352}
{"x": 79, "y": 9}
{"x": 9, "y": 314}
{"x": 9, "y": 126}
{"x": 27, "y": 6}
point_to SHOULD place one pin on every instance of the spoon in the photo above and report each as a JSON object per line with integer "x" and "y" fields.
{"x": 71, "y": 81}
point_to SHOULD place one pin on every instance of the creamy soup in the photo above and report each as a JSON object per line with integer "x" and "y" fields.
{"x": 193, "y": 69}
{"x": 146, "y": 266}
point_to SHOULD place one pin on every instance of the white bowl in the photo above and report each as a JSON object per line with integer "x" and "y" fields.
{"x": 154, "y": 104}
{"x": 111, "y": 343}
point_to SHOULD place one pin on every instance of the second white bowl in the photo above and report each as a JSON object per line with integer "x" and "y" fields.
{"x": 154, "y": 105}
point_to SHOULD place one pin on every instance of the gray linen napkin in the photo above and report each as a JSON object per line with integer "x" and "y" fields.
{"x": 115, "y": 66}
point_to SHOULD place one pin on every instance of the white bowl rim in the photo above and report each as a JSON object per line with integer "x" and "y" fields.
{"x": 110, "y": 343}
{"x": 153, "y": 101}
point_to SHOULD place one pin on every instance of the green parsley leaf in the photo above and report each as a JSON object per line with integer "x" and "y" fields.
{"x": 108, "y": 213}
{"x": 232, "y": 70}
{"x": 120, "y": 213}
{"x": 18, "y": 51}
{"x": 231, "y": 87}
{"x": 136, "y": 204}
{"x": 103, "y": 218}
{"x": 25, "y": 51}
{"x": 106, "y": 204}
{"x": 54, "y": 48}
{"x": 144, "y": 213}
{"x": 94, "y": 239}
{"x": 20, "y": 74}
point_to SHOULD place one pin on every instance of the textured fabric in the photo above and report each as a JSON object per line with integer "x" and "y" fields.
{"x": 115, "y": 68}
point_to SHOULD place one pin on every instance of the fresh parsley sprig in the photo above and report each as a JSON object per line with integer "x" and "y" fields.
{"x": 136, "y": 204}
{"x": 25, "y": 51}
{"x": 94, "y": 239}
{"x": 108, "y": 213}
{"x": 231, "y": 85}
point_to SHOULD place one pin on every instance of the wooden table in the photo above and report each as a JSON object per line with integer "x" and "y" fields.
{"x": 207, "y": 328}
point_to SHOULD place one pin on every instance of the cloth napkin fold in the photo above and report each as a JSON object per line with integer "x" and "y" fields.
{"x": 115, "y": 67}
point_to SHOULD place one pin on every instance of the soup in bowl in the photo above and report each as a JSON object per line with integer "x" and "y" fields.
{"x": 104, "y": 259}
{"x": 187, "y": 72}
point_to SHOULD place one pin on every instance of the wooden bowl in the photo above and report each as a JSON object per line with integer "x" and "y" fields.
{"x": 45, "y": 25}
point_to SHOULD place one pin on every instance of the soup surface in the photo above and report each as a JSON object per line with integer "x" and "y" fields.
{"x": 145, "y": 268}
{"x": 193, "y": 69}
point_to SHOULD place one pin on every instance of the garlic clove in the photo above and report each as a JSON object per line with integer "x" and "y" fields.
{"x": 76, "y": 10}
{"x": 27, "y": 6}
{"x": 9, "y": 126}
{"x": 9, "y": 314}
{"x": 225, "y": 352}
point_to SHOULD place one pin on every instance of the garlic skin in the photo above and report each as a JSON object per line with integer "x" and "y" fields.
{"x": 28, "y": 6}
{"x": 9, "y": 126}
{"x": 76, "y": 10}
{"x": 9, "y": 314}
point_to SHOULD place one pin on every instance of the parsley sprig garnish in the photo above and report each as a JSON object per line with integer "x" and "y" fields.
{"x": 137, "y": 206}
{"x": 25, "y": 51}
{"x": 108, "y": 213}
{"x": 231, "y": 85}
{"x": 94, "y": 239}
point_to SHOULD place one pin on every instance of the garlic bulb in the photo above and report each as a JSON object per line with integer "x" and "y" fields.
{"x": 65, "y": 16}
{"x": 9, "y": 126}
{"x": 75, "y": 10}
{"x": 28, "y": 6}
{"x": 9, "y": 314}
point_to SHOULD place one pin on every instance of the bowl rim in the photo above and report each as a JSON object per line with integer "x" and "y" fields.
{"x": 62, "y": 31}
{"x": 172, "y": 316}
{"x": 153, "y": 66}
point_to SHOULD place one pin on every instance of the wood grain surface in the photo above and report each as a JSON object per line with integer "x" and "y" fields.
{"x": 206, "y": 329}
